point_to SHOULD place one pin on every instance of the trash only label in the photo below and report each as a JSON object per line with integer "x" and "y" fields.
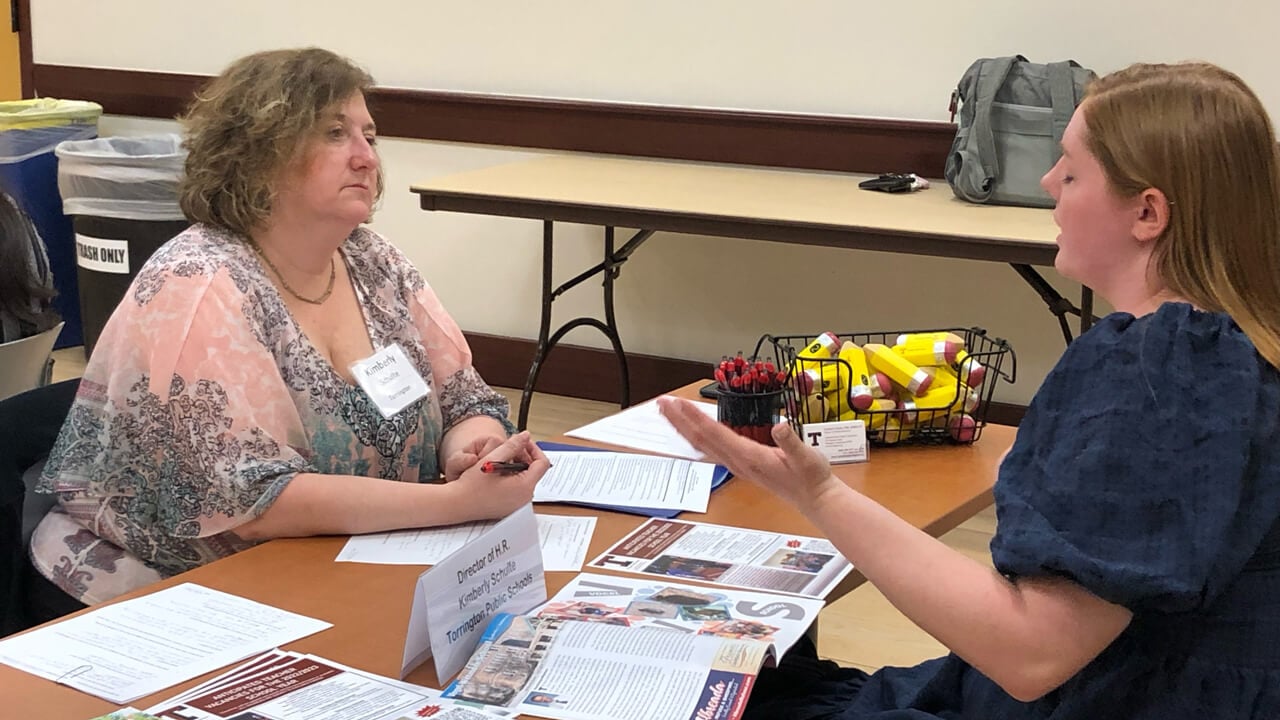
{"x": 108, "y": 256}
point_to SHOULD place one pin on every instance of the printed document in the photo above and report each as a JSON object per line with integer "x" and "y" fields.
{"x": 564, "y": 540}
{"x": 291, "y": 686}
{"x": 614, "y": 478}
{"x": 124, "y": 651}
{"x": 642, "y": 427}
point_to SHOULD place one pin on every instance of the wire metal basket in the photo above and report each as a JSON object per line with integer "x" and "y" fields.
{"x": 818, "y": 389}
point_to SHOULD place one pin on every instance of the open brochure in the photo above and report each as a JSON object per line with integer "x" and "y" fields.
{"x": 281, "y": 685}
{"x": 732, "y": 556}
{"x": 609, "y": 648}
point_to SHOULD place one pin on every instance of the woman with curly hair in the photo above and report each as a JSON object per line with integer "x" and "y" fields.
{"x": 272, "y": 367}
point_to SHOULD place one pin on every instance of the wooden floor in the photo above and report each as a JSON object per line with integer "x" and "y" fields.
{"x": 860, "y": 629}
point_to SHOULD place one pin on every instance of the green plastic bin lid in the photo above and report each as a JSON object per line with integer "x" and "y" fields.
{"x": 46, "y": 112}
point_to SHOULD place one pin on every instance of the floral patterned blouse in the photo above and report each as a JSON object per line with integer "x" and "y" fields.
{"x": 204, "y": 398}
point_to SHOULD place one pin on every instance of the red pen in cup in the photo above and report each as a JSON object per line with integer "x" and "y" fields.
{"x": 503, "y": 468}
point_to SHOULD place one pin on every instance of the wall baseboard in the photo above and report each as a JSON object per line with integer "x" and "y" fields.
{"x": 592, "y": 373}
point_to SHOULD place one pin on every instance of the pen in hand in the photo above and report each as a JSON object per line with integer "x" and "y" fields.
{"x": 503, "y": 468}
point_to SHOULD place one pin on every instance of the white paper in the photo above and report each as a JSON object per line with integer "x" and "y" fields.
{"x": 642, "y": 427}
{"x": 564, "y": 540}
{"x": 124, "y": 651}
{"x": 628, "y": 479}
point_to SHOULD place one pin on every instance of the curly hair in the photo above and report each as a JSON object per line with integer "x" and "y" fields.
{"x": 249, "y": 123}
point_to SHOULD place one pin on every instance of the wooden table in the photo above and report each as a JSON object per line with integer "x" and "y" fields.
{"x": 933, "y": 488}
{"x": 808, "y": 208}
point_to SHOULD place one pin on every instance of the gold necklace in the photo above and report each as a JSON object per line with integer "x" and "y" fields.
{"x": 333, "y": 274}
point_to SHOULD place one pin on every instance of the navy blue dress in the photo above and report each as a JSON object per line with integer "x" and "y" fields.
{"x": 1147, "y": 469}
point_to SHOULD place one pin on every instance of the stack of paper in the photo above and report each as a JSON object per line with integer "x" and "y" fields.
{"x": 612, "y": 479}
{"x": 593, "y": 496}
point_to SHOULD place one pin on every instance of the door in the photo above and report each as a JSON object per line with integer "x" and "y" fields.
{"x": 10, "y": 64}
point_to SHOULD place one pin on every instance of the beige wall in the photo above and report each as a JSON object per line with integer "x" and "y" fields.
{"x": 814, "y": 57}
{"x": 895, "y": 59}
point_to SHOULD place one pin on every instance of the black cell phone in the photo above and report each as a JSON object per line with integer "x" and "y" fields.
{"x": 710, "y": 391}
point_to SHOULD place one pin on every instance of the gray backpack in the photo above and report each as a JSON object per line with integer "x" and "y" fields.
{"x": 1012, "y": 116}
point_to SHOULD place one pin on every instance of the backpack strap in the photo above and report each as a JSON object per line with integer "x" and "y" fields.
{"x": 983, "y": 173}
{"x": 1062, "y": 91}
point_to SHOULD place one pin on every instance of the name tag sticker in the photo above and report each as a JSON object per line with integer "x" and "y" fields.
{"x": 390, "y": 380}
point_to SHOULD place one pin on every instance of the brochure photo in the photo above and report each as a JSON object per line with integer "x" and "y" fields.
{"x": 641, "y": 602}
{"x": 730, "y": 556}
{"x": 573, "y": 670}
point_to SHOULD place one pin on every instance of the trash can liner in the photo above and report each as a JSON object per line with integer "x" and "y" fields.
{"x": 129, "y": 178}
{"x": 31, "y": 127}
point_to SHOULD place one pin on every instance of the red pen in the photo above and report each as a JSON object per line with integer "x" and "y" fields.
{"x": 722, "y": 379}
{"x": 503, "y": 468}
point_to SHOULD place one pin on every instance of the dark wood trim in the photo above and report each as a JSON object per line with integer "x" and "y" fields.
{"x": 817, "y": 142}
{"x": 120, "y": 92}
{"x": 999, "y": 413}
{"x": 580, "y": 372}
{"x": 24, "y": 49}
{"x": 592, "y": 373}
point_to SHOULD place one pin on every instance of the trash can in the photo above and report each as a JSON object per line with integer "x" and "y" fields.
{"x": 122, "y": 196}
{"x": 29, "y": 131}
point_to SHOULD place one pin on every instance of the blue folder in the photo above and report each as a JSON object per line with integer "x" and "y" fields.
{"x": 718, "y": 476}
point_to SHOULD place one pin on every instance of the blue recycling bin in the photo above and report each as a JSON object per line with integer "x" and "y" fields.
{"x": 29, "y": 130}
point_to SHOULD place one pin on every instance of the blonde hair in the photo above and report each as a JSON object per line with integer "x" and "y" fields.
{"x": 1198, "y": 134}
{"x": 249, "y": 123}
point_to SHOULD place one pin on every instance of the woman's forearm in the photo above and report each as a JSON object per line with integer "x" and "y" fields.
{"x": 314, "y": 504}
{"x": 1028, "y": 636}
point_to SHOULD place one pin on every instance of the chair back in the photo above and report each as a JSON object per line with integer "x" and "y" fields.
{"x": 23, "y": 362}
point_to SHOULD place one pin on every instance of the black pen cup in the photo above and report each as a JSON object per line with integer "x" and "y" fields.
{"x": 751, "y": 415}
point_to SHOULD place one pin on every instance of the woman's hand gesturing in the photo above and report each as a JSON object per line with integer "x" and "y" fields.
{"x": 793, "y": 471}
